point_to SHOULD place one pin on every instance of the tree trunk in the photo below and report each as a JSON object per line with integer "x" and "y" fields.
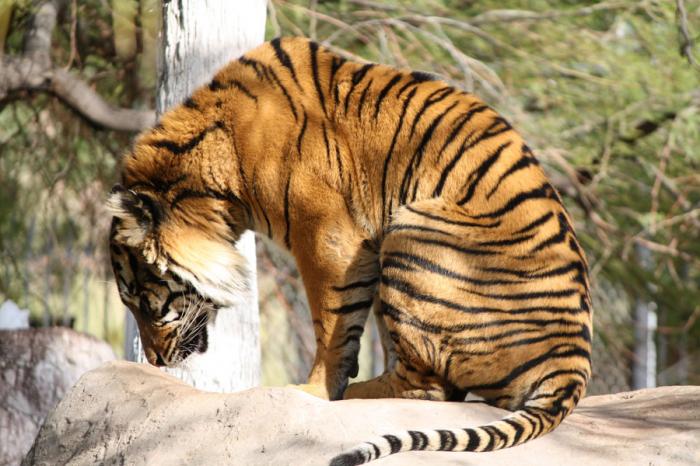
{"x": 198, "y": 38}
{"x": 645, "y": 317}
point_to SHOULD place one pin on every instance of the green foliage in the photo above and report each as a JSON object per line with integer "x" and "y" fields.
{"x": 55, "y": 170}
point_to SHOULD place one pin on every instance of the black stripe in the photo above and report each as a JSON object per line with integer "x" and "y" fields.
{"x": 158, "y": 184}
{"x": 474, "y": 440}
{"x": 377, "y": 452}
{"x": 352, "y": 307}
{"x": 516, "y": 272}
{"x": 463, "y": 120}
{"x": 452, "y": 164}
{"x": 394, "y": 443}
{"x": 501, "y": 435}
{"x": 540, "y": 422}
{"x": 454, "y": 247}
{"x": 417, "y": 77}
{"x": 338, "y": 159}
{"x": 522, "y": 163}
{"x": 467, "y": 144}
{"x": 418, "y": 154}
{"x": 545, "y": 412}
{"x": 358, "y": 284}
{"x": 492, "y": 438}
{"x": 357, "y": 77}
{"x": 557, "y": 373}
{"x": 313, "y": 48}
{"x": 172, "y": 297}
{"x": 498, "y": 126}
{"x": 216, "y": 85}
{"x": 477, "y": 175}
{"x": 404, "y": 318}
{"x": 284, "y": 58}
{"x": 362, "y": 98}
{"x": 179, "y": 149}
{"x": 448, "y": 440}
{"x": 408, "y": 289}
{"x": 529, "y": 341}
{"x": 404, "y": 226}
{"x": 544, "y": 191}
{"x": 431, "y": 100}
{"x": 532, "y": 363}
{"x": 262, "y": 209}
{"x": 336, "y": 63}
{"x": 423, "y": 76}
{"x": 387, "y": 159}
{"x": 450, "y": 221}
{"x": 507, "y": 242}
{"x": 256, "y": 65}
{"x": 285, "y": 92}
{"x": 325, "y": 142}
{"x": 530, "y": 295}
{"x": 383, "y": 93}
{"x": 533, "y": 426}
{"x": 433, "y": 267}
{"x": 194, "y": 194}
{"x": 492, "y": 338}
{"x": 535, "y": 223}
{"x": 301, "y": 133}
{"x": 190, "y": 103}
{"x": 394, "y": 264}
{"x": 558, "y": 237}
{"x": 403, "y": 88}
{"x": 418, "y": 440}
{"x": 351, "y": 335}
{"x": 563, "y": 270}
{"x": 287, "y": 223}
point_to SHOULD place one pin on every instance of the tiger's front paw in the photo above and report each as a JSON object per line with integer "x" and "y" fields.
{"x": 315, "y": 390}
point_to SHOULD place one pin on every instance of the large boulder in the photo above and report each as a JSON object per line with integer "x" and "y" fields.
{"x": 126, "y": 413}
{"x": 37, "y": 367}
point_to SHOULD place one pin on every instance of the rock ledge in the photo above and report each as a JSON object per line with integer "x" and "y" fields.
{"x": 126, "y": 413}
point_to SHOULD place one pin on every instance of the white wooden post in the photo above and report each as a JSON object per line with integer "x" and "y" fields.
{"x": 198, "y": 38}
{"x": 645, "y": 318}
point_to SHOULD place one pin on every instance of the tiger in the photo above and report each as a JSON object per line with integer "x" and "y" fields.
{"x": 396, "y": 193}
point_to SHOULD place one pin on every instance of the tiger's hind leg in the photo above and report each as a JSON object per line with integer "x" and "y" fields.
{"x": 451, "y": 280}
{"x": 419, "y": 370}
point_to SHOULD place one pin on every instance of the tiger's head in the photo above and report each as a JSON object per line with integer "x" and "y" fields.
{"x": 176, "y": 265}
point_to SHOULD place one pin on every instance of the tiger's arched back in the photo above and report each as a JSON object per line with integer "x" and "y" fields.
{"x": 395, "y": 192}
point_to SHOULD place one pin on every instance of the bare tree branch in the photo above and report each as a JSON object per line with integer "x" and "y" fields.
{"x": 81, "y": 97}
{"x": 686, "y": 46}
{"x": 505, "y": 16}
{"x": 33, "y": 70}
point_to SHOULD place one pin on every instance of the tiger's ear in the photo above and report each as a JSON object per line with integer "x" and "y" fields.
{"x": 138, "y": 216}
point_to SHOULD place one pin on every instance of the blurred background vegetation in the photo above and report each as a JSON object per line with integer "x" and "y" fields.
{"x": 606, "y": 92}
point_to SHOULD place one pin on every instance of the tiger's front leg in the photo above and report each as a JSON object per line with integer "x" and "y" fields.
{"x": 340, "y": 273}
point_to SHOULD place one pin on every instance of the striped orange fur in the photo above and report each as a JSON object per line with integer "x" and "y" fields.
{"x": 396, "y": 193}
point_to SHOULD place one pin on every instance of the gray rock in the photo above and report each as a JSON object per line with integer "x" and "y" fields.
{"x": 37, "y": 367}
{"x": 126, "y": 413}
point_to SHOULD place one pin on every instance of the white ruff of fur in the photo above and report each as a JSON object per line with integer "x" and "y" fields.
{"x": 220, "y": 274}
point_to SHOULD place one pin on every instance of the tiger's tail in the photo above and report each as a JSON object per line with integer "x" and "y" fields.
{"x": 540, "y": 414}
